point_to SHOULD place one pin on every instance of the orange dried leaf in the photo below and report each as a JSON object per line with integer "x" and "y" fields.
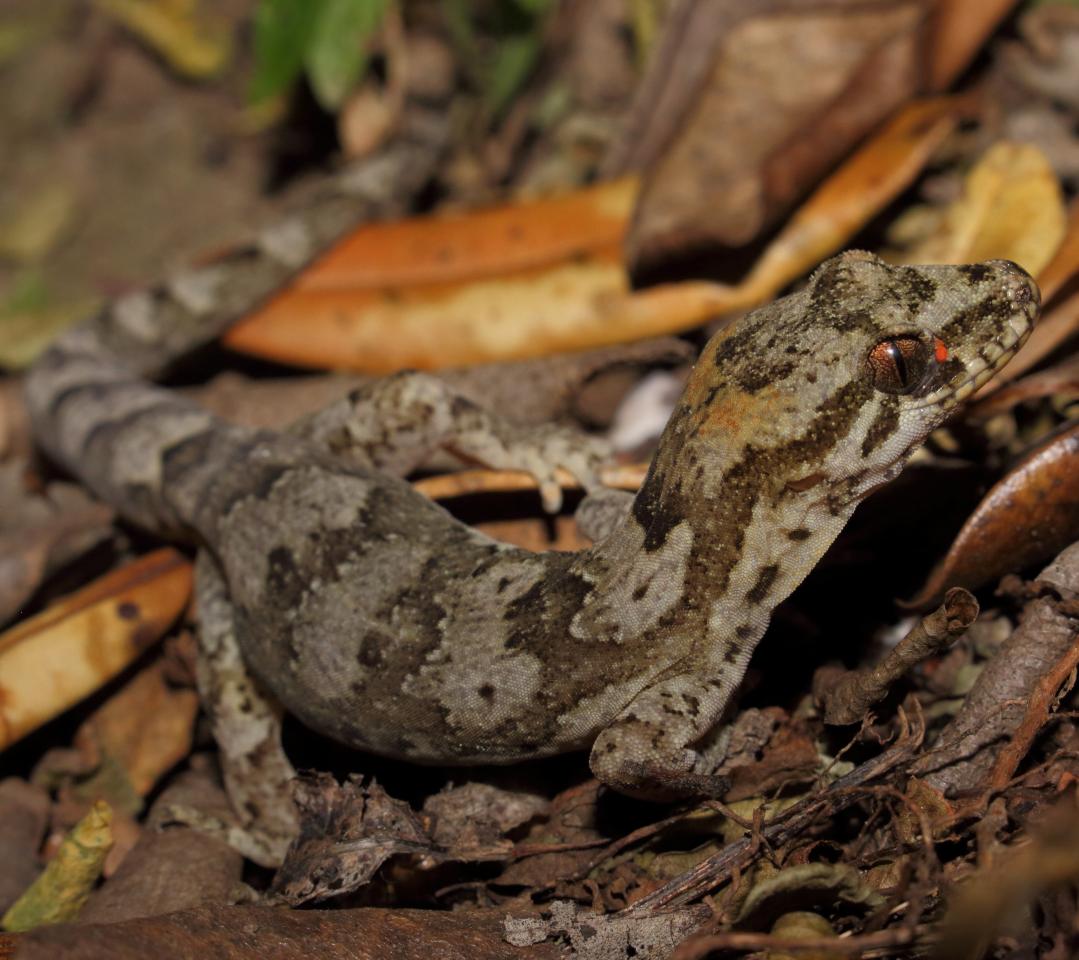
{"x": 454, "y": 247}
{"x": 874, "y": 174}
{"x": 1065, "y": 262}
{"x": 449, "y": 485}
{"x": 1011, "y": 208}
{"x": 546, "y": 277}
{"x": 53, "y": 660}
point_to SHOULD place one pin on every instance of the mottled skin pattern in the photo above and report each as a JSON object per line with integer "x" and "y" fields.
{"x": 381, "y": 621}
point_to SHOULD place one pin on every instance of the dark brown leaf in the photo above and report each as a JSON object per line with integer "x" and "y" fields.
{"x": 800, "y": 84}
{"x": 1027, "y": 517}
{"x": 243, "y": 932}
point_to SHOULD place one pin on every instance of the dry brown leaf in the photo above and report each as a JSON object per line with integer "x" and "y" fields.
{"x": 1011, "y": 209}
{"x": 146, "y": 727}
{"x": 1061, "y": 380}
{"x": 53, "y": 660}
{"x": 1065, "y": 262}
{"x": 537, "y": 533}
{"x": 960, "y": 27}
{"x": 745, "y": 107}
{"x": 1027, "y": 517}
{"x": 882, "y": 167}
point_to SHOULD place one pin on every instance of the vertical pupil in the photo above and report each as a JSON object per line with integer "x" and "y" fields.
{"x": 899, "y": 362}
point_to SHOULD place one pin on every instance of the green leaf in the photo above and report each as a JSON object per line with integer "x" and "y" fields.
{"x": 338, "y": 50}
{"x": 535, "y": 8}
{"x": 514, "y": 61}
{"x": 282, "y": 32}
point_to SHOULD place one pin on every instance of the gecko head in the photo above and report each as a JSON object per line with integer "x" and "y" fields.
{"x": 919, "y": 341}
{"x": 829, "y": 391}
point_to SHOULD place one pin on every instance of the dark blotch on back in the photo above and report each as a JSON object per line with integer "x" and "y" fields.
{"x": 974, "y": 272}
{"x": 760, "y": 590}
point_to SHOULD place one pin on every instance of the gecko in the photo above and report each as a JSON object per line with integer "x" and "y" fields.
{"x": 329, "y": 588}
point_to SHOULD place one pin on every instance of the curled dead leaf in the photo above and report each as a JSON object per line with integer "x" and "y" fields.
{"x": 1028, "y": 516}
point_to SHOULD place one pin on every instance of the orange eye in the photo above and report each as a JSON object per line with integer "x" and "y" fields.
{"x": 898, "y": 364}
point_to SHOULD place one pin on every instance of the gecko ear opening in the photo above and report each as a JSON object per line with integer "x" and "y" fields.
{"x": 898, "y": 364}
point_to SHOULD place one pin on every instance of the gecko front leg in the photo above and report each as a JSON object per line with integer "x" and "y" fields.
{"x": 647, "y": 750}
{"x": 397, "y": 423}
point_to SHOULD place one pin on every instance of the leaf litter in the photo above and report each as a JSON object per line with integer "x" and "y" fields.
{"x": 934, "y": 812}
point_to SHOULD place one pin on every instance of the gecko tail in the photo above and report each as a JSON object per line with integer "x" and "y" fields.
{"x": 122, "y": 436}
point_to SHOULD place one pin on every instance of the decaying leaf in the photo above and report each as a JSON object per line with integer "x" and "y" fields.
{"x": 348, "y": 831}
{"x": 53, "y": 660}
{"x": 1028, "y": 516}
{"x": 477, "y": 815}
{"x": 64, "y": 885}
{"x": 808, "y": 886}
{"x": 1011, "y": 209}
{"x": 171, "y": 867}
{"x": 995, "y": 901}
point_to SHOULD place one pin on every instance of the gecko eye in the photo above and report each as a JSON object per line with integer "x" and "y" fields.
{"x": 898, "y": 364}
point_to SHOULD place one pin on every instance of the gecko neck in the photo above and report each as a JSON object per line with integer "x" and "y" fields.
{"x": 721, "y": 537}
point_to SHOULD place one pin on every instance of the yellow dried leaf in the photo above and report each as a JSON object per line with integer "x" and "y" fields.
{"x": 61, "y": 890}
{"x": 193, "y": 42}
{"x": 38, "y": 222}
{"x": 53, "y": 660}
{"x": 1011, "y": 208}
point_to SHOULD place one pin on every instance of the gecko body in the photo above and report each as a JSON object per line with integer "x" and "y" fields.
{"x": 380, "y": 620}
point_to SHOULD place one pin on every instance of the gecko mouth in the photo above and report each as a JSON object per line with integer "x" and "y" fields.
{"x": 1024, "y": 296}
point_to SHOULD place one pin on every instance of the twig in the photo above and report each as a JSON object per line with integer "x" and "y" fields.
{"x": 849, "y": 695}
{"x": 786, "y": 825}
{"x": 1036, "y": 716}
